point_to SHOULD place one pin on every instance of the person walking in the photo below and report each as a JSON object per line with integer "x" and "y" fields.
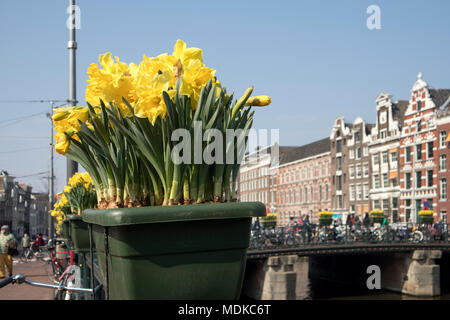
{"x": 26, "y": 242}
{"x": 5, "y": 257}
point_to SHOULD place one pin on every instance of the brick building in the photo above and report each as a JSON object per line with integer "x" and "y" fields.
{"x": 443, "y": 157}
{"x": 384, "y": 150}
{"x": 255, "y": 181}
{"x": 303, "y": 181}
{"x": 418, "y": 149}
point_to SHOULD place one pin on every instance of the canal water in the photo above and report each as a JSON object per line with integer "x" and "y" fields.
{"x": 312, "y": 289}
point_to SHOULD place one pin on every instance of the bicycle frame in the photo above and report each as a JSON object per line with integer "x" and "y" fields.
{"x": 19, "y": 279}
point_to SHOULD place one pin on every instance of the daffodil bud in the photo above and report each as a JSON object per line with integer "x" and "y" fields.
{"x": 258, "y": 101}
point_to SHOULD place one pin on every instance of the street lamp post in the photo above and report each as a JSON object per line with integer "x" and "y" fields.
{"x": 51, "y": 197}
{"x": 72, "y": 166}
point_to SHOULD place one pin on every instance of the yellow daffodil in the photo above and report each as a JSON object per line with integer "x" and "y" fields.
{"x": 111, "y": 82}
{"x": 62, "y": 143}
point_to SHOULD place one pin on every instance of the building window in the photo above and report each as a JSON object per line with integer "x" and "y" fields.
{"x": 300, "y": 195}
{"x": 358, "y": 171}
{"x": 366, "y": 151}
{"x": 419, "y": 179}
{"x": 419, "y": 152}
{"x": 312, "y": 193}
{"x": 366, "y": 170}
{"x": 358, "y": 137}
{"x": 383, "y": 134}
{"x": 366, "y": 191}
{"x": 359, "y": 191}
{"x": 442, "y": 162}
{"x": 376, "y": 181}
{"x": 375, "y": 160}
{"x": 408, "y": 209}
{"x": 326, "y": 192}
{"x": 358, "y": 153}
{"x": 339, "y": 146}
{"x": 430, "y": 178}
{"x": 306, "y": 194}
{"x": 352, "y": 192}
{"x": 339, "y": 164}
{"x": 419, "y": 125}
{"x": 419, "y": 105}
{"x": 430, "y": 149}
{"x": 408, "y": 180}
{"x": 408, "y": 154}
{"x": 320, "y": 193}
{"x": 443, "y": 189}
{"x": 385, "y": 205}
{"x": 339, "y": 202}
{"x": 442, "y": 138}
{"x": 339, "y": 183}
{"x": 385, "y": 180}
{"x": 385, "y": 157}
{"x": 393, "y": 157}
{"x": 352, "y": 154}
{"x": 351, "y": 171}
{"x": 376, "y": 204}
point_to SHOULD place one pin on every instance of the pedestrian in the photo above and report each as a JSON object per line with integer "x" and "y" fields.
{"x": 25, "y": 242}
{"x": 366, "y": 221}
{"x": 7, "y": 241}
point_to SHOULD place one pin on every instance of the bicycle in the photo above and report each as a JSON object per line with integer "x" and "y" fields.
{"x": 58, "y": 264}
{"x": 61, "y": 290}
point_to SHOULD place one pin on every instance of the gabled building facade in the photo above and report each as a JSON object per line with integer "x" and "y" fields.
{"x": 384, "y": 150}
{"x": 418, "y": 150}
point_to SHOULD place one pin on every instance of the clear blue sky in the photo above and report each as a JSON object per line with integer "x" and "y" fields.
{"x": 316, "y": 59}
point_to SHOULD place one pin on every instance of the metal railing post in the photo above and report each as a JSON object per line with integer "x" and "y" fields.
{"x": 91, "y": 252}
{"x": 106, "y": 264}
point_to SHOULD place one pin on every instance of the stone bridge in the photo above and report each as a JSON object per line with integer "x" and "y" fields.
{"x": 408, "y": 268}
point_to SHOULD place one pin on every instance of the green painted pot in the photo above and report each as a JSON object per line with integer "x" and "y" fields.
{"x": 174, "y": 252}
{"x": 325, "y": 221}
{"x": 79, "y": 233}
{"x": 425, "y": 219}
{"x": 65, "y": 229}
{"x": 269, "y": 224}
{"x": 377, "y": 219}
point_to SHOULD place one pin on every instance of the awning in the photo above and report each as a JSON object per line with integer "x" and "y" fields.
{"x": 393, "y": 150}
{"x": 393, "y": 174}
{"x": 448, "y": 138}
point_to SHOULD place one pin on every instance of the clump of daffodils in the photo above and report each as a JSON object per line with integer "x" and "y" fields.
{"x": 123, "y": 138}
{"x": 79, "y": 194}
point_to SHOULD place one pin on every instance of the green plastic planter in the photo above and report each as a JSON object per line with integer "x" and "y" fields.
{"x": 325, "y": 222}
{"x": 174, "y": 252}
{"x": 79, "y": 233}
{"x": 65, "y": 232}
{"x": 269, "y": 224}
{"x": 425, "y": 220}
{"x": 376, "y": 219}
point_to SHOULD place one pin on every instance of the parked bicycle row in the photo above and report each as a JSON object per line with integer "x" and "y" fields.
{"x": 298, "y": 234}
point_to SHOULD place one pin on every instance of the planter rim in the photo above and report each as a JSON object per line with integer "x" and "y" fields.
{"x": 74, "y": 217}
{"x": 158, "y": 214}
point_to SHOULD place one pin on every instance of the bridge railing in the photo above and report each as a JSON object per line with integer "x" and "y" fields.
{"x": 311, "y": 234}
